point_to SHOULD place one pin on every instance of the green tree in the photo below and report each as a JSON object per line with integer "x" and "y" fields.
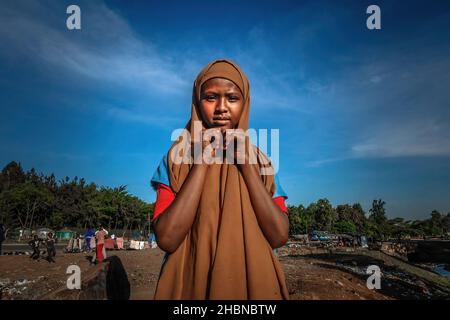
{"x": 301, "y": 221}
{"x": 26, "y": 204}
{"x": 399, "y": 228}
{"x": 446, "y": 224}
{"x": 323, "y": 213}
{"x": 353, "y": 214}
{"x": 378, "y": 220}
{"x": 434, "y": 224}
{"x": 346, "y": 227}
{"x": 11, "y": 176}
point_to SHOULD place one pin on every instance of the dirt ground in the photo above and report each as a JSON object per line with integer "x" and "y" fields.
{"x": 312, "y": 279}
{"x": 308, "y": 278}
{"x": 23, "y": 278}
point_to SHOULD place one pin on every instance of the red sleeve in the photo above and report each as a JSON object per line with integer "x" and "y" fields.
{"x": 164, "y": 198}
{"x": 280, "y": 202}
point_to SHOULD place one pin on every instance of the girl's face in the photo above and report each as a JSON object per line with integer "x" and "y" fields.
{"x": 221, "y": 103}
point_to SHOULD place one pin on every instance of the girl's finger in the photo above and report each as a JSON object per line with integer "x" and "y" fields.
{"x": 226, "y": 142}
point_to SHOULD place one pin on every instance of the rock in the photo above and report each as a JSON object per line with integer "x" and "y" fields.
{"x": 339, "y": 283}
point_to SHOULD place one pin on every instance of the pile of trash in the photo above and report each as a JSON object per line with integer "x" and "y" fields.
{"x": 16, "y": 253}
{"x": 16, "y": 288}
{"x": 396, "y": 283}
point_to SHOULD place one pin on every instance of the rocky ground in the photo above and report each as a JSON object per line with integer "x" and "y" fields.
{"x": 309, "y": 276}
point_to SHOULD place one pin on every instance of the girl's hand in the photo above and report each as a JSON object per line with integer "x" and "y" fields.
{"x": 207, "y": 148}
{"x": 241, "y": 149}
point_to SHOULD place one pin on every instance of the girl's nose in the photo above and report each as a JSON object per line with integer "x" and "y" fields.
{"x": 221, "y": 105}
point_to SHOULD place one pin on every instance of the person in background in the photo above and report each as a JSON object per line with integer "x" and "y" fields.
{"x": 93, "y": 243}
{"x": 35, "y": 243}
{"x": 90, "y": 233}
{"x": 77, "y": 247}
{"x": 51, "y": 251}
{"x": 104, "y": 247}
{"x": 153, "y": 241}
{"x": 93, "y": 260}
{"x": 100, "y": 235}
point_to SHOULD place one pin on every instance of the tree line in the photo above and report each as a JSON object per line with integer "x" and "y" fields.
{"x": 352, "y": 220}
{"x": 29, "y": 200}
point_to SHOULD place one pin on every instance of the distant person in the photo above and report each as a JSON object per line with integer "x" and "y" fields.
{"x": 74, "y": 245}
{"x": 90, "y": 233}
{"x": 69, "y": 247}
{"x": 100, "y": 236}
{"x": 92, "y": 244}
{"x": 51, "y": 251}
{"x": 152, "y": 240}
{"x": 35, "y": 243}
{"x": 104, "y": 246}
{"x": 2, "y": 236}
{"x": 77, "y": 244}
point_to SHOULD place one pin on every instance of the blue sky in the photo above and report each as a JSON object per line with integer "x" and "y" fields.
{"x": 362, "y": 114}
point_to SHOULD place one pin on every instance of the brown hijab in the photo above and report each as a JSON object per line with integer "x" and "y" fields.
{"x": 225, "y": 254}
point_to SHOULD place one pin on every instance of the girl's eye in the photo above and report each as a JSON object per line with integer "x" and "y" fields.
{"x": 210, "y": 98}
{"x": 233, "y": 99}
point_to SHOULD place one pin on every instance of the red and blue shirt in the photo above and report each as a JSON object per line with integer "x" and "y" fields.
{"x": 161, "y": 184}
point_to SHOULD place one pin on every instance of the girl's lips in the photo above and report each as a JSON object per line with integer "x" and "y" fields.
{"x": 219, "y": 122}
{"x": 223, "y": 124}
{"x": 221, "y": 118}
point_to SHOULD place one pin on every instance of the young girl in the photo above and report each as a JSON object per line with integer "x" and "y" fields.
{"x": 51, "y": 251}
{"x": 219, "y": 223}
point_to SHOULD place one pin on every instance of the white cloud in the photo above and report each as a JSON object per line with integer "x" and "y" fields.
{"x": 427, "y": 138}
{"x": 392, "y": 106}
{"x": 105, "y": 49}
{"x": 418, "y": 138}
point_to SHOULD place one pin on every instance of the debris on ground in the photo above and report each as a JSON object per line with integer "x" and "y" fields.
{"x": 311, "y": 274}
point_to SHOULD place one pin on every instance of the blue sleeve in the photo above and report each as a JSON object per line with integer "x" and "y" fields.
{"x": 279, "y": 192}
{"x": 161, "y": 174}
